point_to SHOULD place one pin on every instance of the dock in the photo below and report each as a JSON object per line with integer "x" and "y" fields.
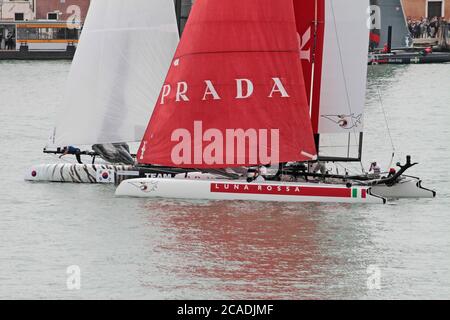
{"x": 24, "y": 54}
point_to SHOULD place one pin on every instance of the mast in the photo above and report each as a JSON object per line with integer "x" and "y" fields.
{"x": 310, "y": 26}
{"x": 315, "y": 102}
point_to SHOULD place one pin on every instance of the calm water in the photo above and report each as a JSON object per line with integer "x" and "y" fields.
{"x": 128, "y": 248}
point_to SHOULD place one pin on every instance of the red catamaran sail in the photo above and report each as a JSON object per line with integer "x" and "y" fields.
{"x": 310, "y": 16}
{"x": 235, "y": 93}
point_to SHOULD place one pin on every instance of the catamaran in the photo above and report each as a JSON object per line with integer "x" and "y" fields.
{"x": 261, "y": 83}
{"x": 124, "y": 53}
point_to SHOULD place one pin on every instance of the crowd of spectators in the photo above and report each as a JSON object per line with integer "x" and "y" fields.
{"x": 424, "y": 28}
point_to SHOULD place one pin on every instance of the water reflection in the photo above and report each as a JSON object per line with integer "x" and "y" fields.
{"x": 251, "y": 250}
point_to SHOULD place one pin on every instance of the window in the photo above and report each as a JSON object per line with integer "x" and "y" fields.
{"x": 435, "y": 8}
{"x": 54, "y": 33}
{"x": 19, "y": 17}
{"x": 52, "y": 16}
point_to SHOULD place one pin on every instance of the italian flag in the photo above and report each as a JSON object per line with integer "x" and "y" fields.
{"x": 359, "y": 193}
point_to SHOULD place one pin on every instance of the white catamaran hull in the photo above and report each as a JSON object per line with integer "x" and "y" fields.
{"x": 75, "y": 173}
{"x": 233, "y": 190}
{"x": 104, "y": 173}
{"x": 408, "y": 188}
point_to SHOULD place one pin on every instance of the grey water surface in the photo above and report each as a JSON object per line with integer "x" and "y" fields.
{"x": 167, "y": 249}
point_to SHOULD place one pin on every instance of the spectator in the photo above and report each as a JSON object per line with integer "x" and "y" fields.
{"x": 424, "y": 28}
{"x": 2, "y": 42}
{"x": 10, "y": 43}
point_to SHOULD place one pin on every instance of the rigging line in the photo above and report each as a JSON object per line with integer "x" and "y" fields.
{"x": 347, "y": 168}
{"x": 386, "y": 119}
{"x": 394, "y": 151}
{"x": 343, "y": 74}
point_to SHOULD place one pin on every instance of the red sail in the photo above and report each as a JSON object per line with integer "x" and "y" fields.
{"x": 310, "y": 16}
{"x": 235, "y": 93}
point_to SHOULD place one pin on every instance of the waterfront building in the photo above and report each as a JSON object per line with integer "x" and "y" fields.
{"x": 61, "y": 9}
{"x": 17, "y": 10}
{"x": 417, "y": 9}
{"x": 28, "y": 10}
{"x": 41, "y": 24}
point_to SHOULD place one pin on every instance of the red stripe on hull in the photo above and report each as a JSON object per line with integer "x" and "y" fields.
{"x": 280, "y": 190}
{"x": 364, "y": 193}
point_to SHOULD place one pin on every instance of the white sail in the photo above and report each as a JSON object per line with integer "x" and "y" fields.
{"x": 125, "y": 50}
{"x": 344, "y": 69}
{"x": 344, "y": 74}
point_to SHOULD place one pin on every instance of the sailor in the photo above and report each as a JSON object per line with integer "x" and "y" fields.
{"x": 319, "y": 166}
{"x": 257, "y": 175}
{"x": 262, "y": 173}
{"x": 9, "y": 42}
{"x": 375, "y": 169}
{"x": 392, "y": 172}
{"x": 73, "y": 151}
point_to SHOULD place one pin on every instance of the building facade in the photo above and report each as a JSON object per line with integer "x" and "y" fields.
{"x": 17, "y": 10}
{"x": 416, "y": 9}
{"x": 28, "y": 10}
{"x": 61, "y": 9}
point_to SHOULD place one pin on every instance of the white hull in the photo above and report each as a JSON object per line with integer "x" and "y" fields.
{"x": 101, "y": 173}
{"x": 408, "y": 188}
{"x": 75, "y": 173}
{"x": 236, "y": 190}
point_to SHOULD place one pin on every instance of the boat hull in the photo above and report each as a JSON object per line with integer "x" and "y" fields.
{"x": 235, "y": 190}
{"x": 408, "y": 58}
{"x": 408, "y": 188}
{"x": 76, "y": 173}
{"x": 105, "y": 173}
